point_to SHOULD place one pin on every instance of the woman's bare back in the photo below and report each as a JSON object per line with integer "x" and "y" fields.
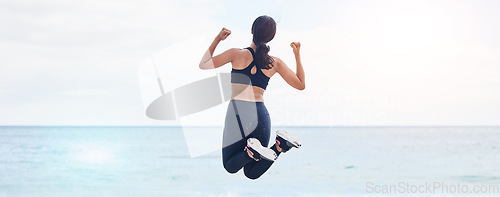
{"x": 244, "y": 91}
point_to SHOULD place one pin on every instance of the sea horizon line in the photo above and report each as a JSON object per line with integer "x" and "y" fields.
{"x": 191, "y": 126}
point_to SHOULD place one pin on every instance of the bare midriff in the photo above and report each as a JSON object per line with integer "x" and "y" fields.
{"x": 247, "y": 93}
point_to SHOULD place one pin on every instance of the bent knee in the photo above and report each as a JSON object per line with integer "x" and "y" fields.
{"x": 230, "y": 170}
{"x": 252, "y": 175}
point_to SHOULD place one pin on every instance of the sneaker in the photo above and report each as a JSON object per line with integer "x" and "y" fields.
{"x": 286, "y": 141}
{"x": 260, "y": 152}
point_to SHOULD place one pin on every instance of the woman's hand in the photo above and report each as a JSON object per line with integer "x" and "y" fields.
{"x": 224, "y": 33}
{"x": 296, "y": 47}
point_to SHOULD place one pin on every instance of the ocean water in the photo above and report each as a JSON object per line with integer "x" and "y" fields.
{"x": 337, "y": 161}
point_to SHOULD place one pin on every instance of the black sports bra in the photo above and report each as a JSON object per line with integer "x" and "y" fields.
{"x": 245, "y": 76}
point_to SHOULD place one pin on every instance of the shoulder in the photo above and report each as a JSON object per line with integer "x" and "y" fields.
{"x": 234, "y": 50}
{"x": 237, "y": 51}
{"x": 241, "y": 53}
{"x": 232, "y": 54}
{"x": 277, "y": 60}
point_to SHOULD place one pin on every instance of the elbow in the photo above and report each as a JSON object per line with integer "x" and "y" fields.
{"x": 202, "y": 67}
{"x": 302, "y": 87}
{"x": 205, "y": 66}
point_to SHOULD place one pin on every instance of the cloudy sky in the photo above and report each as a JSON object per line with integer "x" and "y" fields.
{"x": 366, "y": 62}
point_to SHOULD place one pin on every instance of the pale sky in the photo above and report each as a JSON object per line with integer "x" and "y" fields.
{"x": 367, "y": 63}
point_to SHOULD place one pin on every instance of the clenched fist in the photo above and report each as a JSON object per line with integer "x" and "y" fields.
{"x": 296, "y": 47}
{"x": 224, "y": 33}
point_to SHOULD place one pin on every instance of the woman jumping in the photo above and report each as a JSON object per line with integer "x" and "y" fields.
{"x": 247, "y": 127}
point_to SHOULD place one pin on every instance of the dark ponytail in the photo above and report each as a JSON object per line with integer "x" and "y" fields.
{"x": 263, "y": 29}
{"x": 262, "y": 58}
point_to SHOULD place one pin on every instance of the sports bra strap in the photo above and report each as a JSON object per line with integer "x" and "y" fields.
{"x": 251, "y": 51}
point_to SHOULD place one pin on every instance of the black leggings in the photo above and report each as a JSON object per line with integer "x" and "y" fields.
{"x": 245, "y": 119}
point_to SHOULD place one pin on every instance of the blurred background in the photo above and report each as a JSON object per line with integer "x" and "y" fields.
{"x": 368, "y": 63}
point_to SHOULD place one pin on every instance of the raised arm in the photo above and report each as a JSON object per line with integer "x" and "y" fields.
{"x": 296, "y": 80}
{"x": 209, "y": 62}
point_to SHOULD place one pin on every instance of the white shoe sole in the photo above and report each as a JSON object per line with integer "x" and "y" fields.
{"x": 265, "y": 153}
{"x": 291, "y": 139}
